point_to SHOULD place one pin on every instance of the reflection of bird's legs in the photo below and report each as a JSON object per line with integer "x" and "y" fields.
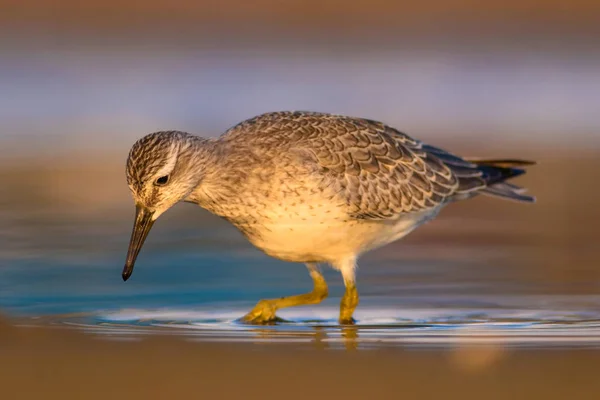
{"x": 320, "y": 335}
{"x": 264, "y": 311}
{"x": 350, "y": 298}
{"x": 350, "y": 335}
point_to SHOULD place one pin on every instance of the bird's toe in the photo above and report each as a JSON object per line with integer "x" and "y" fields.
{"x": 262, "y": 314}
{"x": 347, "y": 321}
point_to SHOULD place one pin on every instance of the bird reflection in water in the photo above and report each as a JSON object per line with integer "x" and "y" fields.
{"x": 322, "y": 337}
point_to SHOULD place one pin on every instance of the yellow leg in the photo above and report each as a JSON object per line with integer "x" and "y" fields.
{"x": 264, "y": 311}
{"x": 348, "y": 305}
{"x": 350, "y": 299}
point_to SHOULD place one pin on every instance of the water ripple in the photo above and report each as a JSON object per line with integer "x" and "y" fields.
{"x": 374, "y": 328}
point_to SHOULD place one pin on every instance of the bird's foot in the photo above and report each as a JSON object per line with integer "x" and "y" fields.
{"x": 262, "y": 314}
{"x": 347, "y": 321}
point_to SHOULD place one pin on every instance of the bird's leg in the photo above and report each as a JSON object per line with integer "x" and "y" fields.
{"x": 348, "y": 305}
{"x": 264, "y": 311}
{"x": 350, "y": 298}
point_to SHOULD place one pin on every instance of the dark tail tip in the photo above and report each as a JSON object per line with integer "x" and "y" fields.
{"x": 502, "y": 162}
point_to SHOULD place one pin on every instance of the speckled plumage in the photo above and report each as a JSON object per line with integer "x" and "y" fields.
{"x": 312, "y": 187}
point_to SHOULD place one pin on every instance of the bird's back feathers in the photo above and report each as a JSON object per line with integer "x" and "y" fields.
{"x": 379, "y": 171}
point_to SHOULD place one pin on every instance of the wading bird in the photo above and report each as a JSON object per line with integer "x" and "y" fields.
{"x": 308, "y": 187}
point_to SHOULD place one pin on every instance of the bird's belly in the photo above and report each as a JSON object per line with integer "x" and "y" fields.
{"x": 329, "y": 240}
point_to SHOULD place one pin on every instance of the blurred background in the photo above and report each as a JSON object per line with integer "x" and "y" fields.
{"x": 81, "y": 81}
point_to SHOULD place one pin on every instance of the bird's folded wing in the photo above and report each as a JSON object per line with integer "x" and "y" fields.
{"x": 378, "y": 171}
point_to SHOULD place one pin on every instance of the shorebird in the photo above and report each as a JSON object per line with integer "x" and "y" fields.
{"x": 308, "y": 187}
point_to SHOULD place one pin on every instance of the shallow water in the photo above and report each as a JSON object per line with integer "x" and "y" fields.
{"x": 199, "y": 292}
{"x": 502, "y": 323}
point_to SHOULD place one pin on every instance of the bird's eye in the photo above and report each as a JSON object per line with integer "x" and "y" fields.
{"x": 162, "y": 180}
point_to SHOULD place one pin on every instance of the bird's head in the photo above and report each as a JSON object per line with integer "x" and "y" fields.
{"x": 159, "y": 174}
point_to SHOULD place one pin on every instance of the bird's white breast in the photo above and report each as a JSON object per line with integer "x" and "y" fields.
{"x": 326, "y": 234}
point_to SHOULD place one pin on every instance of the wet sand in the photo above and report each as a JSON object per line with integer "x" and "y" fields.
{"x": 53, "y": 363}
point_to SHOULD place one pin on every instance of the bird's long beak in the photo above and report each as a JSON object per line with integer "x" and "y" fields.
{"x": 143, "y": 223}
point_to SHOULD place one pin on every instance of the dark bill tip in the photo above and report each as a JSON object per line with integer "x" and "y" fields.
{"x": 141, "y": 227}
{"x": 126, "y": 273}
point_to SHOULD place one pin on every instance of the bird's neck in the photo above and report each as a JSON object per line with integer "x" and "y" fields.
{"x": 206, "y": 159}
{"x": 202, "y": 154}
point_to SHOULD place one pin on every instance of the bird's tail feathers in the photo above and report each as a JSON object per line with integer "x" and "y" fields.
{"x": 495, "y": 173}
